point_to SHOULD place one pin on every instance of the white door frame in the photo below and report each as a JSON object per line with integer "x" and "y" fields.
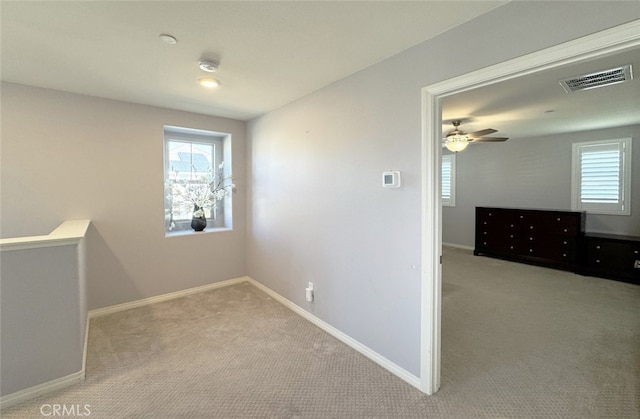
{"x": 614, "y": 40}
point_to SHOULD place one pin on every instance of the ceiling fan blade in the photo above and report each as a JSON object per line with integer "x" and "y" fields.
{"x": 481, "y": 133}
{"x": 489, "y": 139}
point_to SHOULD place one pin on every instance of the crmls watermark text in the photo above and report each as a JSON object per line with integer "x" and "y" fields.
{"x": 75, "y": 410}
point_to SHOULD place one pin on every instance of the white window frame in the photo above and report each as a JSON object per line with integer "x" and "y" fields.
{"x": 451, "y": 200}
{"x": 623, "y": 206}
{"x": 221, "y": 143}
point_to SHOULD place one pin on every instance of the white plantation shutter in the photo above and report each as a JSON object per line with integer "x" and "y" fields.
{"x": 447, "y": 179}
{"x": 600, "y": 173}
{"x": 603, "y": 176}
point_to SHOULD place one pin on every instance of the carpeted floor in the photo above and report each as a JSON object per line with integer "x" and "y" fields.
{"x": 518, "y": 342}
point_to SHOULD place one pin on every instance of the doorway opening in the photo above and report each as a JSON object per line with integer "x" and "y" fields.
{"x": 614, "y": 40}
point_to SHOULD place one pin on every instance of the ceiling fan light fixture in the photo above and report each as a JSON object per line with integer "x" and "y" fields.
{"x": 456, "y": 142}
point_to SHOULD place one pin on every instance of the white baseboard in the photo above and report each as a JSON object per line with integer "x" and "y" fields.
{"x": 459, "y": 246}
{"x": 40, "y": 389}
{"x": 366, "y": 351}
{"x": 78, "y": 377}
{"x": 35, "y": 391}
{"x": 164, "y": 297}
{"x": 341, "y": 336}
{"x": 85, "y": 346}
{"x": 53, "y": 385}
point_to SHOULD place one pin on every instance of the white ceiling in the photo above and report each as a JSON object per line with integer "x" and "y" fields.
{"x": 536, "y": 105}
{"x": 271, "y": 53}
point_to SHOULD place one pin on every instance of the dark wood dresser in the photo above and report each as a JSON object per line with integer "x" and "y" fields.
{"x": 541, "y": 237}
{"x": 611, "y": 256}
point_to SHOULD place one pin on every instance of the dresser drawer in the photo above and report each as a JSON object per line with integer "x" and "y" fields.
{"x": 562, "y": 224}
{"x": 558, "y": 249}
{"x": 609, "y": 257}
{"x": 549, "y": 238}
{"x": 614, "y": 255}
{"x": 494, "y": 230}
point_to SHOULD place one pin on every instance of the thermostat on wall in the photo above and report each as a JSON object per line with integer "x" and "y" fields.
{"x": 391, "y": 179}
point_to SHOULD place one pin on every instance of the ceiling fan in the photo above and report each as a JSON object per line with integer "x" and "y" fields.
{"x": 458, "y": 140}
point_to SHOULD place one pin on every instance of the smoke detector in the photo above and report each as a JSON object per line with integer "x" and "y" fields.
{"x": 598, "y": 79}
{"x": 209, "y": 66}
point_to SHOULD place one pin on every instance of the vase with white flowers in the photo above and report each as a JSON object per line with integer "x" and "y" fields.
{"x": 200, "y": 194}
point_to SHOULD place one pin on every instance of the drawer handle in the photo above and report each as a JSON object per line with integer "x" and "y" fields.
{"x": 511, "y": 236}
{"x": 530, "y": 250}
{"x": 558, "y": 219}
{"x": 635, "y": 252}
{"x": 531, "y": 227}
{"x": 597, "y": 260}
{"x": 485, "y": 223}
{"x": 564, "y": 255}
{"x": 597, "y": 247}
{"x": 564, "y": 242}
{"x": 511, "y": 247}
{"x": 511, "y": 225}
{"x": 530, "y": 238}
{"x": 565, "y": 230}
{"x": 484, "y": 243}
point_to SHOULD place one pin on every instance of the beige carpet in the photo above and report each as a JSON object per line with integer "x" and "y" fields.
{"x": 518, "y": 342}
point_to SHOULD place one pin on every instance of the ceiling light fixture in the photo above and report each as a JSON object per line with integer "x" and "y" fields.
{"x": 209, "y": 82}
{"x": 456, "y": 142}
{"x": 209, "y": 66}
{"x": 166, "y": 38}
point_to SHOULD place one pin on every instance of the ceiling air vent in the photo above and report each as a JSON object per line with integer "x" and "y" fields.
{"x": 599, "y": 79}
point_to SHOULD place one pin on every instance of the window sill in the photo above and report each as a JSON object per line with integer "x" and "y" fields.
{"x": 180, "y": 233}
{"x": 597, "y": 211}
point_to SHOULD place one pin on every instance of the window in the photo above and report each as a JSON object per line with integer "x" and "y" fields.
{"x": 601, "y": 181}
{"x": 448, "y": 180}
{"x": 195, "y": 162}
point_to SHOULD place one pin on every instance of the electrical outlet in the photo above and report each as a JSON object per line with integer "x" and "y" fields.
{"x": 309, "y": 292}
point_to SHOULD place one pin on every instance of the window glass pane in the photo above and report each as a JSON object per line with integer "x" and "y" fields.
{"x": 196, "y": 177}
{"x": 190, "y": 172}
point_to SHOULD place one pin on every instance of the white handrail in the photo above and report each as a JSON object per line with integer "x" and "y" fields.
{"x": 69, "y": 232}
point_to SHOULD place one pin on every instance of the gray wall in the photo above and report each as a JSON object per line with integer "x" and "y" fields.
{"x": 42, "y": 315}
{"x": 67, "y": 156}
{"x": 531, "y": 173}
{"x": 318, "y": 212}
